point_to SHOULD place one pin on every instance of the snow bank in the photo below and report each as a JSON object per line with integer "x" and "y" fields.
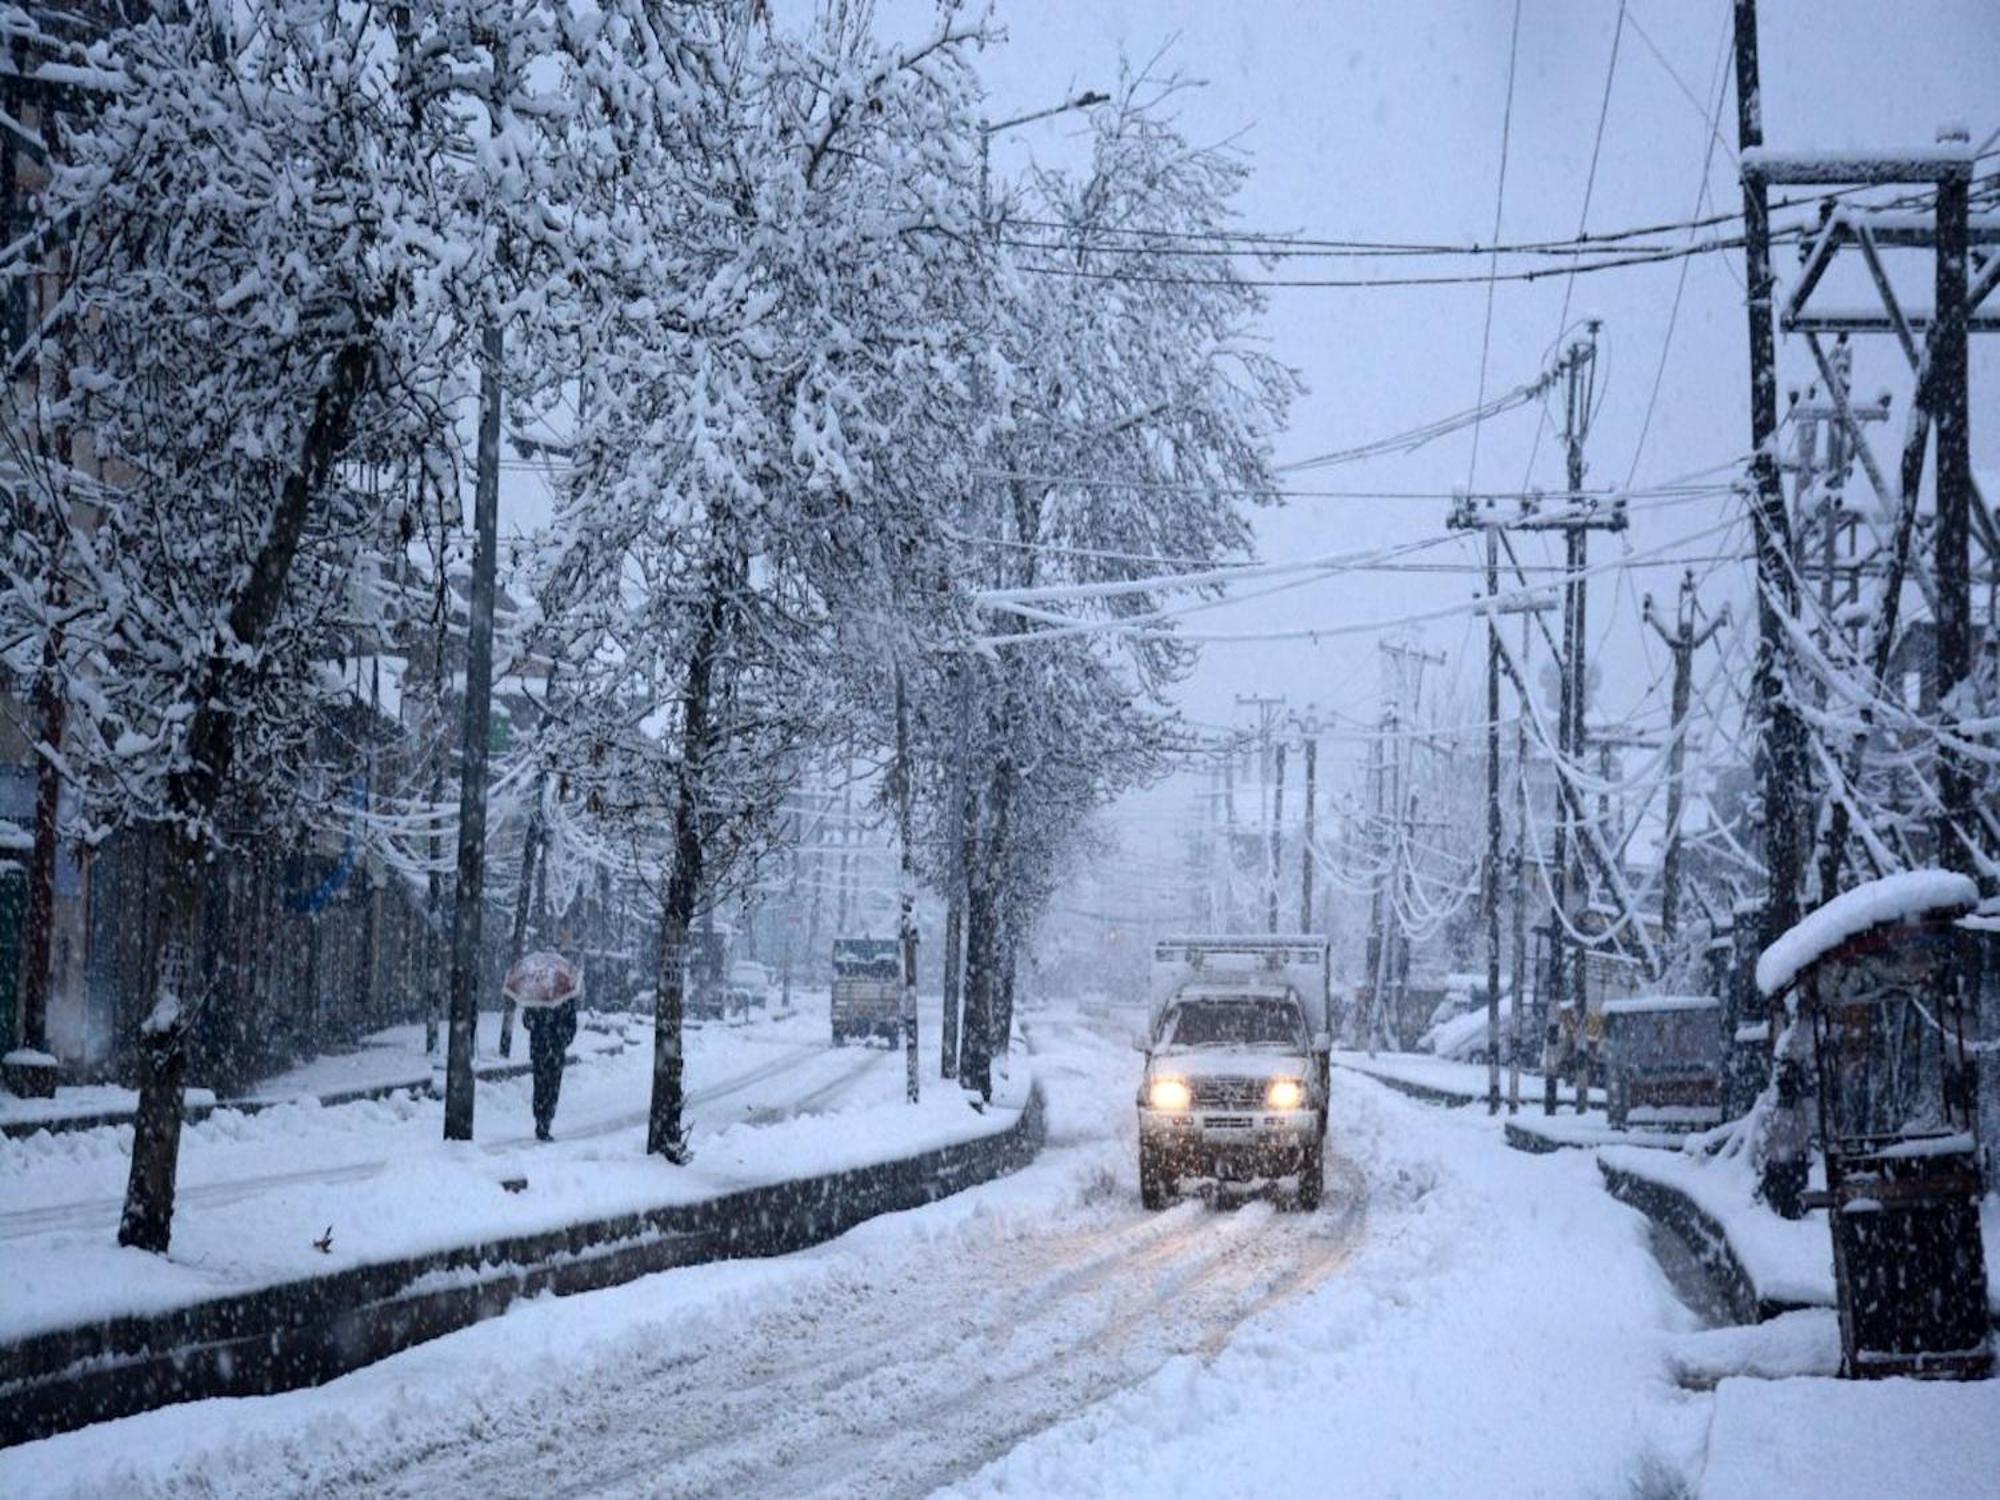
{"x": 1787, "y": 1260}
{"x": 1461, "y": 1080}
{"x": 1835, "y": 1439}
{"x": 1893, "y": 898}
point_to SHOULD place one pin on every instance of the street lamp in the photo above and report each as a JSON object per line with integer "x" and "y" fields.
{"x": 964, "y": 984}
{"x": 1086, "y": 100}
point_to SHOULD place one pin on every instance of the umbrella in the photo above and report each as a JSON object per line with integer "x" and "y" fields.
{"x": 543, "y": 979}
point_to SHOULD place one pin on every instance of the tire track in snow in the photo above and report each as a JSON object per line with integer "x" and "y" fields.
{"x": 898, "y": 1377}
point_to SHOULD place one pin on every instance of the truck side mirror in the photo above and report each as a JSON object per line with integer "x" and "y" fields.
{"x": 1141, "y": 1042}
{"x": 1322, "y": 1041}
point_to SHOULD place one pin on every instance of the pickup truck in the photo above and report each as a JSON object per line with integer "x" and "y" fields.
{"x": 1235, "y": 1080}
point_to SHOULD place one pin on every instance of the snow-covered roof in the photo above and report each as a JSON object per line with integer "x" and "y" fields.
{"x": 1893, "y": 898}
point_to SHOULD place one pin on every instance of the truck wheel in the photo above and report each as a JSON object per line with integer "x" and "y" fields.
{"x": 1312, "y": 1177}
{"x": 1156, "y": 1183}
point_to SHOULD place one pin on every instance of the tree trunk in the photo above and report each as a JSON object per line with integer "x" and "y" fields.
{"x": 193, "y": 794}
{"x": 975, "y": 1058}
{"x": 907, "y": 886}
{"x": 469, "y": 895}
{"x": 954, "y": 924}
{"x": 984, "y": 940}
{"x": 666, "y": 1133}
{"x": 147, "y": 1220}
{"x": 36, "y": 974}
{"x": 531, "y": 848}
{"x": 1010, "y": 948}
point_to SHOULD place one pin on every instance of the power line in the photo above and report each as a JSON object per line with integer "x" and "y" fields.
{"x": 1269, "y": 241}
{"x": 1143, "y": 627}
{"x": 1493, "y": 260}
{"x": 1583, "y": 218}
{"x": 1680, "y": 284}
{"x": 1539, "y": 273}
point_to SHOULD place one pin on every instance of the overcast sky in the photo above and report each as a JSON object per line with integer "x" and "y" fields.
{"x": 1383, "y": 121}
{"x": 1368, "y": 120}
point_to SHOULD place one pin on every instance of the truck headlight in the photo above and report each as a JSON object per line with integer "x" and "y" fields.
{"x": 1169, "y": 1093}
{"x": 1285, "y": 1093}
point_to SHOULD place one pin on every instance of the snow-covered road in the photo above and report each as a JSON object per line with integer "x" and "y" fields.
{"x": 907, "y": 1377}
{"x": 1458, "y": 1318}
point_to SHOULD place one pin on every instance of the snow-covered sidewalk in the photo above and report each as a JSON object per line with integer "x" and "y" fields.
{"x": 382, "y": 1062}
{"x": 769, "y": 1100}
{"x": 1456, "y": 1080}
{"x": 1788, "y": 1261}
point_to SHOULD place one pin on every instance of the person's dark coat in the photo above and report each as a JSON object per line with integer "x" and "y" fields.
{"x": 551, "y": 1028}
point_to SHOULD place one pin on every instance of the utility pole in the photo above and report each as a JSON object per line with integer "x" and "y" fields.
{"x": 1464, "y": 517}
{"x": 470, "y": 895}
{"x": 1577, "y": 427}
{"x": 1782, "y": 752}
{"x": 1958, "y": 782}
{"x": 1378, "y": 933}
{"x": 840, "y": 913}
{"x": 1939, "y": 401}
{"x": 1682, "y": 641}
{"x": 1490, "y": 886}
{"x": 1267, "y": 707}
{"x": 1308, "y": 726}
{"x": 1580, "y": 516}
{"x": 1392, "y": 957}
{"x": 1277, "y": 831}
{"x": 1520, "y": 968}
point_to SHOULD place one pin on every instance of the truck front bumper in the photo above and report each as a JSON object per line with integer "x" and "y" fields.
{"x": 1234, "y": 1144}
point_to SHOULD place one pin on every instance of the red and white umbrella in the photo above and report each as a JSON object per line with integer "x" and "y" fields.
{"x": 543, "y": 979}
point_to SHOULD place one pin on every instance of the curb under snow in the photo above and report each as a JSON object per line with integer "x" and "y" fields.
{"x": 308, "y": 1331}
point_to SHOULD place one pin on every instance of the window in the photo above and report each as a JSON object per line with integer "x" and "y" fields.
{"x": 1233, "y": 1022}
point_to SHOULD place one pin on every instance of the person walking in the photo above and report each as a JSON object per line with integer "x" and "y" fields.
{"x": 551, "y": 1028}
{"x": 547, "y": 987}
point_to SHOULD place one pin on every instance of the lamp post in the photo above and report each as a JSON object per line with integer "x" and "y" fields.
{"x": 971, "y": 937}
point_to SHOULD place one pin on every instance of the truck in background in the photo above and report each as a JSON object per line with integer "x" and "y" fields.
{"x": 867, "y": 989}
{"x": 1235, "y": 1084}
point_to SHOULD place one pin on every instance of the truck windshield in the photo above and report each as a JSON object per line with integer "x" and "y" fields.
{"x": 1231, "y": 1022}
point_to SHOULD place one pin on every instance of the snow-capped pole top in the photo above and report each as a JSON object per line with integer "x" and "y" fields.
{"x": 1894, "y": 898}
{"x": 543, "y": 980}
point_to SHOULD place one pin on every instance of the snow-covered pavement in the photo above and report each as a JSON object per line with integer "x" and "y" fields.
{"x": 1458, "y": 1318}
{"x": 256, "y": 1190}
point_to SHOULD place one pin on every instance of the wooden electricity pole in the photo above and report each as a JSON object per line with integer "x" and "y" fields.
{"x": 1682, "y": 641}
{"x": 1464, "y": 517}
{"x": 1781, "y": 747}
{"x": 1267, "y": 707}
{"x": 1308, "y": 855}
{"x": 1277, "y": 830}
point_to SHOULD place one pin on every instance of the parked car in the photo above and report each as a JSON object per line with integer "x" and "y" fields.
{"x": 749, "y": 985}
{"x": 1462, "y": 1036}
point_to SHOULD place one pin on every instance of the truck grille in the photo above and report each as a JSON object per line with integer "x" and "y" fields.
{"x": 1228, "y": 1093}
